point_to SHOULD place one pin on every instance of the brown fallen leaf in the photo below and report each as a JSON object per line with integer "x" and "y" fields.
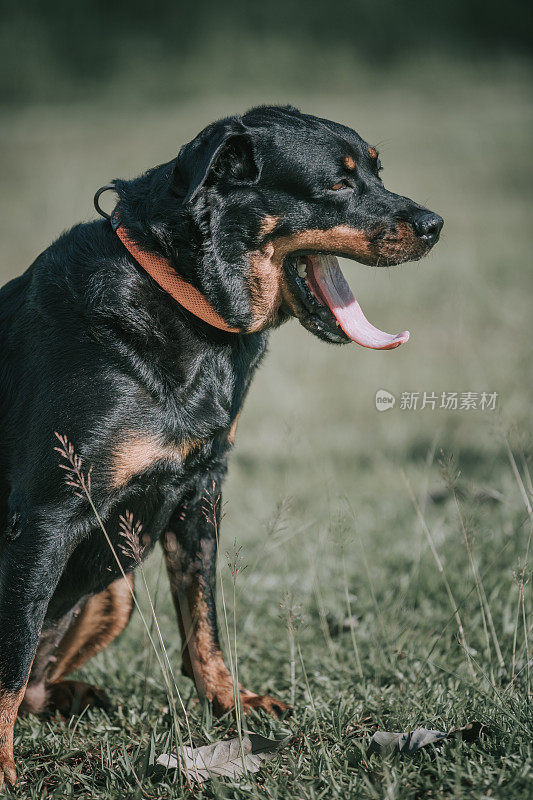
{"x": 225, "y": 758}
{"x": 389, "y": 742}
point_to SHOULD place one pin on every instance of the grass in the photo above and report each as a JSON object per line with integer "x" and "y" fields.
{"x": 341, "y": 511}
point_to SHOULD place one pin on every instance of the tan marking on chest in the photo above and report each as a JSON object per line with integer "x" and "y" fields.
{"x": 202, "y": 657}
{"x": 139, "y": 452}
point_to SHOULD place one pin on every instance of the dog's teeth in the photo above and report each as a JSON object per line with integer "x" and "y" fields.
{"x": 301, "y": 267}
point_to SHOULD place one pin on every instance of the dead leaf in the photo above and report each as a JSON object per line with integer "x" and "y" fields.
{"x": 225, "y": 758}
{"x": 390, "y": 742}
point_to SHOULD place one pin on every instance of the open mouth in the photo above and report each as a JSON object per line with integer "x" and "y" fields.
{"x": 331, "y": 310}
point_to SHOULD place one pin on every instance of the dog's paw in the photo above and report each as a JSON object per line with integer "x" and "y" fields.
{"x": 72, "y": 697}
{"x": 7, "y": 770}
{"x": 249, "y": 701}
{"x": 263, "y": 702}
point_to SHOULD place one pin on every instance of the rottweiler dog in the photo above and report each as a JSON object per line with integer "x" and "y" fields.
{"x": 136, "y": 340}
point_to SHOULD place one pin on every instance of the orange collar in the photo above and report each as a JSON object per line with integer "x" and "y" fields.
{"x": 166, "y": 276}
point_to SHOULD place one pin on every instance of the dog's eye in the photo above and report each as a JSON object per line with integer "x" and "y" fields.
{"x": 344, "y": 184}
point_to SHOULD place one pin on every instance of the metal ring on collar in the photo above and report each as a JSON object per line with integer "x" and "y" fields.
{"x": 101, "y": 190}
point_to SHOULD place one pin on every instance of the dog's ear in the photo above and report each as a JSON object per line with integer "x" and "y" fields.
{"x": 236, "y": 159}
{"x": 215, "y": 153}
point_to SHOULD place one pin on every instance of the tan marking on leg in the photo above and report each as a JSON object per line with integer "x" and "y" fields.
{"x": 9, "y": 704}
{"x": 202, "y": 657}
{"x": 138, "y": 452}
{"x": 349, "y": 162}
{"x": 213, "y": 679}
{"x": 101, "y": 619}
{"x": 36, "y": 696}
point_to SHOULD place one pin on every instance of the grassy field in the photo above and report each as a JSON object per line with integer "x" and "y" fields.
{"x": 342, "y": 511}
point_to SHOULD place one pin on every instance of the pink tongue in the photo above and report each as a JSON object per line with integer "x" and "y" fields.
{"x": 330, "y": 286}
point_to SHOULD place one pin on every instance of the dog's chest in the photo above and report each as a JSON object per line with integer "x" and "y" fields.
{"x": 184, "y": 430}
{"x": 143, "y": 451}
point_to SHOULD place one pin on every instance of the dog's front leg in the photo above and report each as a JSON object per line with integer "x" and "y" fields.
{"x": 30, "y": 567}
{"x": 190, "y": 546}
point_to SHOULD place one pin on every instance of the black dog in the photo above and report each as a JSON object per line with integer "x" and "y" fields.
{"x": 97, "y": 344}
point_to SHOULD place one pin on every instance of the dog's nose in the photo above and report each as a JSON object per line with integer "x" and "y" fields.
{"x": 428, "y": 226}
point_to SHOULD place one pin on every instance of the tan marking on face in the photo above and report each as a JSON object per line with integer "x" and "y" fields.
{"x": 268, "y": 285}
{"x": 268, "y": 224}
{"x": 402, "y": 244}
{"x": 139, "y": 452}
{"x": 267, "y": 281}
{"x": 349, "y": 162}
{"x": 373, "y": 152}
{"x": 233, "y": 429}
{"x": 341, "y": 239}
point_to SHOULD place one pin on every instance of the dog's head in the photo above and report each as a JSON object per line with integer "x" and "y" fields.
{"x": 274, "y": 196}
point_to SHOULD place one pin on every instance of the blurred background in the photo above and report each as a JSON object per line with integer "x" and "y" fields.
{"x": 91, "y": 91}
{"x": 169, "y": 50}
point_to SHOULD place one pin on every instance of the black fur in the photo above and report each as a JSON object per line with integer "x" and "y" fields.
{"x": 92, "y": 348}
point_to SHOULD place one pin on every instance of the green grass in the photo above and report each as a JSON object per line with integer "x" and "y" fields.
{"x": 318, "y": 490}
